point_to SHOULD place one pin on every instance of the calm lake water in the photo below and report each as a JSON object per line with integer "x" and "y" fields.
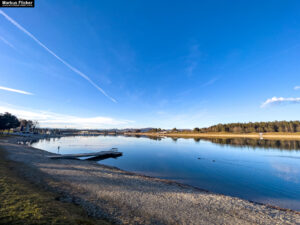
{"x": 258, "y": 170}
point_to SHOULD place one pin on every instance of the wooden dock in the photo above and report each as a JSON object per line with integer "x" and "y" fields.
{"x": 93, "y": 155}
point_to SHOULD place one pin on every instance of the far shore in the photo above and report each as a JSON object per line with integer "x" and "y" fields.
{"x": 221, "y": 135}
{"x": 280, "y": 136}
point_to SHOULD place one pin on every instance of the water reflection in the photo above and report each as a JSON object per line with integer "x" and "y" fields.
{"x": 289, "y": 173}
{"x": 238, "y": 142}
{"x": 155, "y": 138}
{"x": 174, "y": 139}
{"x": 254, "y": 143}
{"x": 235, "y": 142}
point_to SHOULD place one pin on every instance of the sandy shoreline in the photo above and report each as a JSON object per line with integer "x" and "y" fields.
{"x": 128, "y": 198}
{"x": 281, "y": 136}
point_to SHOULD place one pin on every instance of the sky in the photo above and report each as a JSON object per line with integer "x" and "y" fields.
{"x": 134, "y": 64}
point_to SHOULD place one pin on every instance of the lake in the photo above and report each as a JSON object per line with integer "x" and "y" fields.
{"x": 259, "y": 170}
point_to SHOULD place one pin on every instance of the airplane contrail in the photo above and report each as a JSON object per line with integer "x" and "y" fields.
{"x": 56, "y": 56}
{"x": 15, "y": 90}
{"x": 7, "y": 42}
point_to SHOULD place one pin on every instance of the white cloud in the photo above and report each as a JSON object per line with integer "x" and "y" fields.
{"x": 275, "y": 100}
{"x": 56, "y": 56}
{"x": 296, "y": 87}
{"x": 15, "y": 90}
{"x": 55, "y": 120}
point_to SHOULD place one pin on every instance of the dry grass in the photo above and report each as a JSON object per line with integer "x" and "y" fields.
{"x": 23, "y": 203}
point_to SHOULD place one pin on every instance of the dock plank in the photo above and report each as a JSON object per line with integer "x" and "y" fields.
{"x": 111, "y": 153}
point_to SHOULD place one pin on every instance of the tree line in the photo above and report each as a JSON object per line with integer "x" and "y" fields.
{"x": 259, "y": 127}
{"x": 9, "y": 121}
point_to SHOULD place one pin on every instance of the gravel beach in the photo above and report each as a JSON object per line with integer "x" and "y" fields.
{"x": 128, "y": 198}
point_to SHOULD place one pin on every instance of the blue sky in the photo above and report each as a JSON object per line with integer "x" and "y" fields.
{"x": 166, "y": 64}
